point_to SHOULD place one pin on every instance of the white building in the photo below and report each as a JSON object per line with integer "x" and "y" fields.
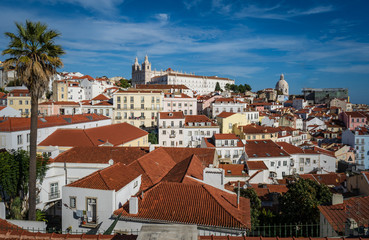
{"x": 15, "y": 132}
{"x": 314, "y": 123}
{"x": 77, "y": 163}
{"x": 196, "y": 128}
{"x": 229, "y": 147}
{"x": 309, "y": 160}
{"x": 170, "y": 129}
{"x": 275, "y": 158}
{"x": 299, "y": 103}
{"x": 94, "y": 87}
{"x": 227, "y": 105}
{"x": 75, "y": 92}
{"x": 180, "y": 102}
{"x": 359, "y": 140}
{"x": 201, "y": 84}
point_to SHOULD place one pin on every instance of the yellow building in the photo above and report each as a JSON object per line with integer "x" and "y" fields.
{"x": 229, "y": 121}
{"x": 256, "y": 132}
{"x": 20, "y": 100}
{"x": 60, "y": 91}
{"x": 137, "y": 107}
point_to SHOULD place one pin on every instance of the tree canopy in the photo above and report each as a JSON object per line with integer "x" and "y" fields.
{"x": 124, "y": 83}
{"x": 217, "y": 87}
{"x": 255, "y": 203}
{"x": 238, "y": 88}
{"x": 300, "y": 203}
{"x": 14, "y": 180}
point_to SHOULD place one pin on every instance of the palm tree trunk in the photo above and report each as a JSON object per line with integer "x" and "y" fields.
{"x": 32, "y": 160}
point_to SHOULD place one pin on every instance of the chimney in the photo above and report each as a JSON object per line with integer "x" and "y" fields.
{"x": 133, "y": 205}
{"x": 151, "y": 147}
{"x": 337, "y": 198}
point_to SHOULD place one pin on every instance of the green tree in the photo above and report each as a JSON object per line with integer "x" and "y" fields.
{"x": 255, "y": 203}
{"x": 300, "y": 203}
{"x": 217, "y": 87}
{"x": 35, "y": 56}
{"x": 124, "y": 83}
{"x": 14, "y": 180}
{"x": 153, "y": 138}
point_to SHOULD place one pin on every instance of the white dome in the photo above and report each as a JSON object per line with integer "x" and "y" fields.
{"x": 282, "y": 85}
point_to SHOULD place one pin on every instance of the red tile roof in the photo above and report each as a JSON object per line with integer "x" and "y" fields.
{"x": 19, "y": 92}
{"x": 255, "y": 129}
{"x": 225, "y": 100}
{"x": 115, "y": 134}
{"x": 330, "y": 179}
{"x": 225, "y": 114}
{"x": 102, "y": 155}
{"x": 191, "y": 203}
{"x": 10, "y": 124}
{"x": 220, "y": 136}
{"x": 192, "y": 166}
{"x": 114, "y": 177}
{"x": 205, "y": 155}
{"x": 234, "y": 170}
{"x": 263, "y": 148}
{"x": 291, "y": 149}
{"x": 103, "y": 103}
{"x": 356, "y": 208}
{"x": 171, "y": 115}
{"x": 256, "y": 165}
{"x": 101, "y": 97}
{"x": 355, "y": 114}
{"x": 198, "y": 119}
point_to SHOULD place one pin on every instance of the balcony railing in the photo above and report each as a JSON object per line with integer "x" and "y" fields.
{"x": 118, "y": 117}
{"x": 172, "y": 135}
{"x": 54, "y": 195}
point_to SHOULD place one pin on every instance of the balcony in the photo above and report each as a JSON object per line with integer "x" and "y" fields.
{"x": 118, "y": 117}
{"x": 54, "y": 195}
{"x": 172, "y": 135}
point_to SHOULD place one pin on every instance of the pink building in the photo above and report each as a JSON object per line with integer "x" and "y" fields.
{"x": 179, "y": 102}
{"x": 204, "y": 102}
{"x": 61, "y": 107}
{"x": 353, "y": 120}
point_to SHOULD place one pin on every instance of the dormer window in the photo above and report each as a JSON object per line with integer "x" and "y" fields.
{"x": 170, "y": 114}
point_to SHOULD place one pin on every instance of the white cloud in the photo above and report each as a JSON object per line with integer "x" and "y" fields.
{"x": 347, "y": 69}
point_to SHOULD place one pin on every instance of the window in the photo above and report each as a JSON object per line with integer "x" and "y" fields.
{"x": 272, "y": 164}
{"x": 142, "y": 99}
{"x": 118, "y": 106}
{"x": 168, "y": 104}
{"x": 301, "y": 160}
{"x": 135, "y": 184}
{"x": 19, "y": 139}
{"x": 132, "y": 106}
{"x": 180, "y": 131}
{"x": 118, "y": 99}
{"x": 54, "y": 190}
{"x": 190, "y": 112}
{"x": 125, "y": 99}
{"x": 172, "y": 143}
{"x": 307, "y": 162}
{"x": 11, "y": 102}
{"x": 180, "y": 142}
{"x": 132, "y": 99}
{"x": 164, "y": 132}
{"x": 91, "y": 210}
{"x": 284, "y": 163}
{"x": 301, "y": 169}
{"x": 72, "y": 202}
{"x": 164, "y": 143}
{"x": 172, "y": 123}
{"x": 20, "y": 102}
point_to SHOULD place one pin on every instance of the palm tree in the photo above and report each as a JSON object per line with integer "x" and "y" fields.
{"x": 35, "y": 56}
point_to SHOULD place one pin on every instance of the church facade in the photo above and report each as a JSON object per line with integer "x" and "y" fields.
{"x": 143, "y": 74}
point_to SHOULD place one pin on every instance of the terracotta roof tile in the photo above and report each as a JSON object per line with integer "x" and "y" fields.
{"x": 256, "y": 165}
{"x": 263, "y": 148}
{"x": 198, "y": 119}
{"x": 10, "y": 124}
{"x": 114, "y": 177}
{"x": 233, "y": 170}
{"x": 219, "y": 136}
{"x": 171, "y": 115}
{"x": 225, "y": 114}
{"x": 125, "y": 155}
{"x": 356, "y": 208}
{"x": 191, "y": 203}
{"x": 116, "y": 134}
{"x": 101, "y": 97}
{"x": 60, "y": 103}
{"x": 205, "y": 155}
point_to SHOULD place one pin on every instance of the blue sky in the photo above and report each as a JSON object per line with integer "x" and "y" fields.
{"x": 314, "y": 43}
